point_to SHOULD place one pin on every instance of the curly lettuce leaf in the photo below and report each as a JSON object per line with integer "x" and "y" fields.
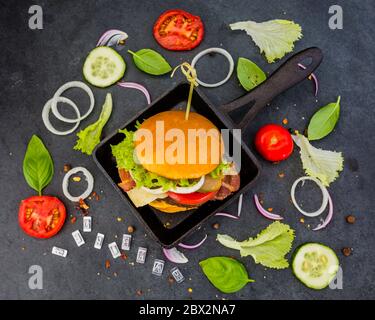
{"x": 124, "y": 155}
{"x": 275, "y": 37}
{"x": 218, "y": 171}
{"x": 89, "y": 137}
{"x": 268, "y": 248}
{"x": 318, "y": 163}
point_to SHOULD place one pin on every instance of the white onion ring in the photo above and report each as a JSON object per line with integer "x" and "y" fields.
{"x": 68, "y": 85}
{"x": 186, "y": 190}
{"x": 329, "y": 216}
{"x": 324, "y": 200}
{"x": 47, "y": 122}
{"x": 89, "y": 179}
{"x": 221, "y": 51}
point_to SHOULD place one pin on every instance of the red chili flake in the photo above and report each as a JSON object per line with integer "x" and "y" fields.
{"x": 67, "y": 167}
{"x": 139, "y": 293}
{"x": 73, "y": 220}
{"x": 123, "y": 256}
{"x": 270, "y": 209}
{"x": 107, "y": 264}
{"x": 171, "y": 279}
{"x": 95, "y": 196}
{"x": 285, "y": 121}
{"x": 83, "y": 205}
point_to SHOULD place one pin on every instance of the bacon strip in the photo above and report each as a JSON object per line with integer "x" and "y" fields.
{"x": 230, "y": 184}
{"x": 127, "y": 183}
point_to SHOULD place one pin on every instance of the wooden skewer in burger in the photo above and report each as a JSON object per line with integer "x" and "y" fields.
{"x": 173, "y": 162}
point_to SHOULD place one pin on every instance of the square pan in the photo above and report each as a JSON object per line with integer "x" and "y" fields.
{"x": 166, "y": 228}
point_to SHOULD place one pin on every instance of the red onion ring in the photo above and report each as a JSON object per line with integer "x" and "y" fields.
{"x": 224, "y": 214}
{"x": 193, "y": 246}
{"x": 106, "y": 37}
{"x": 316, "y": 82}
{"x": 329, "y": 215}
{"x": 240, "y": 200}
{"x": 264, "y": 212}
{"x": 134, "y": 85}
{"x": 174, "y": 255}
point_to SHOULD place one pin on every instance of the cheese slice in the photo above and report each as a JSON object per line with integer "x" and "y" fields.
{"x": 141, "y": 197}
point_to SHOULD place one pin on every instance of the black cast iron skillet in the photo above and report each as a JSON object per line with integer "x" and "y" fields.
{"x": 169, "y": 229}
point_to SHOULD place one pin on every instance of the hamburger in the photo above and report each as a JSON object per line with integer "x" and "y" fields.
{"x": 173, "y": 164}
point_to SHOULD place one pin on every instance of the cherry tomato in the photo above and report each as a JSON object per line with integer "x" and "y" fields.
{"x": 178, "y": 30}
{"x": 274, "y": 142}
{"x": 41, "y": 216}
{"x": 192, "y": 198}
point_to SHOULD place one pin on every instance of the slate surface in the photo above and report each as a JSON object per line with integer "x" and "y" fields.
{"x": 35, "y": 63}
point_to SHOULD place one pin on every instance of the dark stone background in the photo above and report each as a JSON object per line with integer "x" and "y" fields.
{"x": 35, "y": 63}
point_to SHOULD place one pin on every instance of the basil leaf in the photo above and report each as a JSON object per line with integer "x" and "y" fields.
{"x": 324, "y": 121}
{"x": 151, "y": 62}
{"x": 226, "y": 274}
{"x": 249, "y": 74}
{"x": 37, "y": 165}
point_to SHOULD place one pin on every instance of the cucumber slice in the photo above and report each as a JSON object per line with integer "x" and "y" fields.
{"x": 103, "y": 67}
{"x": 315, "y": 265}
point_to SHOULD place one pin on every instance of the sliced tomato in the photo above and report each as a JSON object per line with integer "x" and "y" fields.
{"x": 192, "y": 198}
{"x": 41, "y": 216}
{"x": 178, "y": 30}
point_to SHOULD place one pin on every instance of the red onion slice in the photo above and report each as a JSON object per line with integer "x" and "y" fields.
{"x": 228, "y": 215}
{"x": 193, "y": 246}
{"x": 240, "y": 200}
{"x": 174, "y": 255}
{"x": 112, "y": 38}
{"x": 329, "y": 215}
{"x": 134, "y": 85}
{"x": 313, "y": 76}
{"x": 264, "y": 212}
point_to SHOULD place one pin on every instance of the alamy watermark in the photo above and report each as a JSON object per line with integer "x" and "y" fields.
{"x": 36, "y": 18}
{"x": 336, "y": 21}
{"x": 36, "y": 279}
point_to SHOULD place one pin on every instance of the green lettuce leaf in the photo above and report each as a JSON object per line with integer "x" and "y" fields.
{"x": 89, "y": 137}
{"x": 124, "y": 154}
{"x": 268, "y": 248}
{"x": 218, "y": 171}
{"x": 318, "y": 163}
{"x": 275, "y": 37}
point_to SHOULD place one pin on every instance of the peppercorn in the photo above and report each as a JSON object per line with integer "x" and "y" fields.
{"x": 216, "y": 226}
{"x": 350, "y": 219}
{"x": 346, "y": 252}
{"x": 131, "y": 229}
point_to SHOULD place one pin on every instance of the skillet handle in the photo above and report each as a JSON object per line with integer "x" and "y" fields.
{"x": 285, "y": 77}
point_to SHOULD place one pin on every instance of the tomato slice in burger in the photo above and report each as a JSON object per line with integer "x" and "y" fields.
{"x": 41, "y": 216}
{"x": 178, "y": 30}
{"x": 192, "y": 198}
